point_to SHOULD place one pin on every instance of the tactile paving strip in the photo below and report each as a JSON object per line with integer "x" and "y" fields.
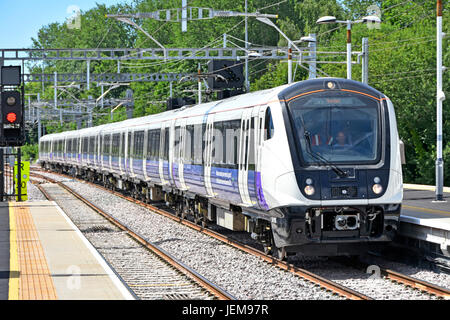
{"x": 35, "y": 281}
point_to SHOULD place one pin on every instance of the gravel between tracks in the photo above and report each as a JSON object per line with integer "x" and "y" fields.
{"x": 245, "y": 276}
{"x": 241, "y": 274}
{"x": 34, "y": 194}
{"x": 371, "y": 285}
{"x": 148, "y": 276}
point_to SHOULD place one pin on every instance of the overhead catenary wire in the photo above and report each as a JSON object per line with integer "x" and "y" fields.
{"x": 403, "y": 45}
{"x": 271, "y": 5}
{"x": 401, "y": 72}
{"x": 403, "y": 78}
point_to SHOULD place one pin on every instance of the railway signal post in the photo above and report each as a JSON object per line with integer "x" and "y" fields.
{"x": 12, "y": 130}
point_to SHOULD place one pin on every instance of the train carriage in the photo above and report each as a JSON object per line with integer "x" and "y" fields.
{"x": 312, "y": 167}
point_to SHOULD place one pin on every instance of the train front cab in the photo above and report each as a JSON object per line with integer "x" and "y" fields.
{"x": 345, "y": 151}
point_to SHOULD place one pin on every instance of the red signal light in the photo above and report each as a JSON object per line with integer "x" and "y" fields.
{"x": 11, "y": 117}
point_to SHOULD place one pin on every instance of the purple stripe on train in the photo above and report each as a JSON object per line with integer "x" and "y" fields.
{"x": 260, "y": 193}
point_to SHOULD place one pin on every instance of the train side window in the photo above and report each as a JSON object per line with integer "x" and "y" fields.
{"x": 121, "y": 145}
{"x": 217, "y": 143}
{"x": 85, "y": 146}
{"x": 157, "y": 143}
{"x": 198, "y": 144}
{"x": 189, "y": 145}
{"x": 151, "y": 147}
{"x": 116, "y": 145}
{"x": 226, "y": 130}
{"x": 203, "y": 144}
{"x": 129, "y": 145}
{"x": 247, "y": 142}
{"x": 113, "y": 147}
{"x": 166, "y": 144}
{"x": 133, "y": 149}
{"x": 268, "y": 125}
{"x": 138, "y": 151}
{"x": 107, "y": 145}
{"x": 92, "y": 143}
{"x": 176, "y": 145}
{"x": 153, "y": 153}
{"x": 233, "y": 136}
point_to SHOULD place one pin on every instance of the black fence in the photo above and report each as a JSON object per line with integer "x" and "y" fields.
{"x": 8, "y": 186}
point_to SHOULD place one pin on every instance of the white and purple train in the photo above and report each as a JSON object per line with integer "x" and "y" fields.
{"x": 312, "y": 167}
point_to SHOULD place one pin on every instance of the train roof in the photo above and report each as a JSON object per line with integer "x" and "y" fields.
{"x": 249, "y": 99}
{"x": 198, "y": 112}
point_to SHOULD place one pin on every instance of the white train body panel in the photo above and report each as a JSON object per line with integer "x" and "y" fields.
{"x": 261, "y": 163}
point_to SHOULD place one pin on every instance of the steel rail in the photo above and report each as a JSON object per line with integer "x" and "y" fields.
{"x": 325, "y": 283}
{"x": 403, "y": 279}
{"x": 302, "y": 273}
{"x": 205, "y": 283}
{"x": 416, "y": 283}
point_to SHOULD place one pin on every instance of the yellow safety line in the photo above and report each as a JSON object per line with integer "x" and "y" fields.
{"x": 13, "y": 257}
{"x": 423, "y": 187}
{"x": 426, "y": 209}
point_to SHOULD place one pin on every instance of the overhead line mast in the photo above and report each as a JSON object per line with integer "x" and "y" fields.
{"x": 440, "y": 97}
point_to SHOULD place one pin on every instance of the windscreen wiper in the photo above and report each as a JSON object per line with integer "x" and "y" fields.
{"x": 341, "y": 173}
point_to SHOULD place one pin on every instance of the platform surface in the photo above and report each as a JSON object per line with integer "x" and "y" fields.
{"x": 43, "y": 256}
{"x": 419, "y": 208}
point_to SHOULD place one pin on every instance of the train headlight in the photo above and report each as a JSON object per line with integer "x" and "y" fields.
{"x": 377, "y": 188}
{"x": 309, "y": 181}
{"x": 377, "y": 180}
{"x": 331, "y": 85}
{"x": 309, "y": 190}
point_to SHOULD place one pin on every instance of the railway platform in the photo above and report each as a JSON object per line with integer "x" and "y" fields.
{"x": 44, "y": 256}
{"x": 424, "y": 219}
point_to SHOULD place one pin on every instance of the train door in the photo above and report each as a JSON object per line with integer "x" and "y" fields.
{"x": 110, "y": 144}
{"x": 127, "y": 152}
{"x": 131, "y": 152}
{"x": 97, "y": 150}
{"x": 209, "y": 134}
{"x": 164, "y": 154}
{"x": 181, "y": 149}
{"x": 144, "y": 154}
{"x": 84, "y": 149}
{"x": 100, "y": 151}
{"x": 65, "y": 150}
{"x": 171, "y": 153}
{"x": 122, "y": 153}
{"x": 260, "y": 118}
{"x": 244, "y": 152}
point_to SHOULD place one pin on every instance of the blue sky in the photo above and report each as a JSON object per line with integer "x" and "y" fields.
{"x": 20, "y": 20}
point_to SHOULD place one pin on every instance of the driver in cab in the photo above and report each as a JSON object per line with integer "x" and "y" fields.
{"x": 341, "y": 140}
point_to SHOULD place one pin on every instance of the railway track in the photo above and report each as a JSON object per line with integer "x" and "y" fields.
{"x": 397, "y": 277}
{"x": 188, "y": 287}
{"x": 326, "y": 284}
{"x": 304, "y": 274}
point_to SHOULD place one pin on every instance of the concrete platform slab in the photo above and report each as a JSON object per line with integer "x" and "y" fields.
{"x": 54, "y": 259}
{"x": 424, "y": 219}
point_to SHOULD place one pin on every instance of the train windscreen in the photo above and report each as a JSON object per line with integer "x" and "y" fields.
{"x": 337, "y": 128}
